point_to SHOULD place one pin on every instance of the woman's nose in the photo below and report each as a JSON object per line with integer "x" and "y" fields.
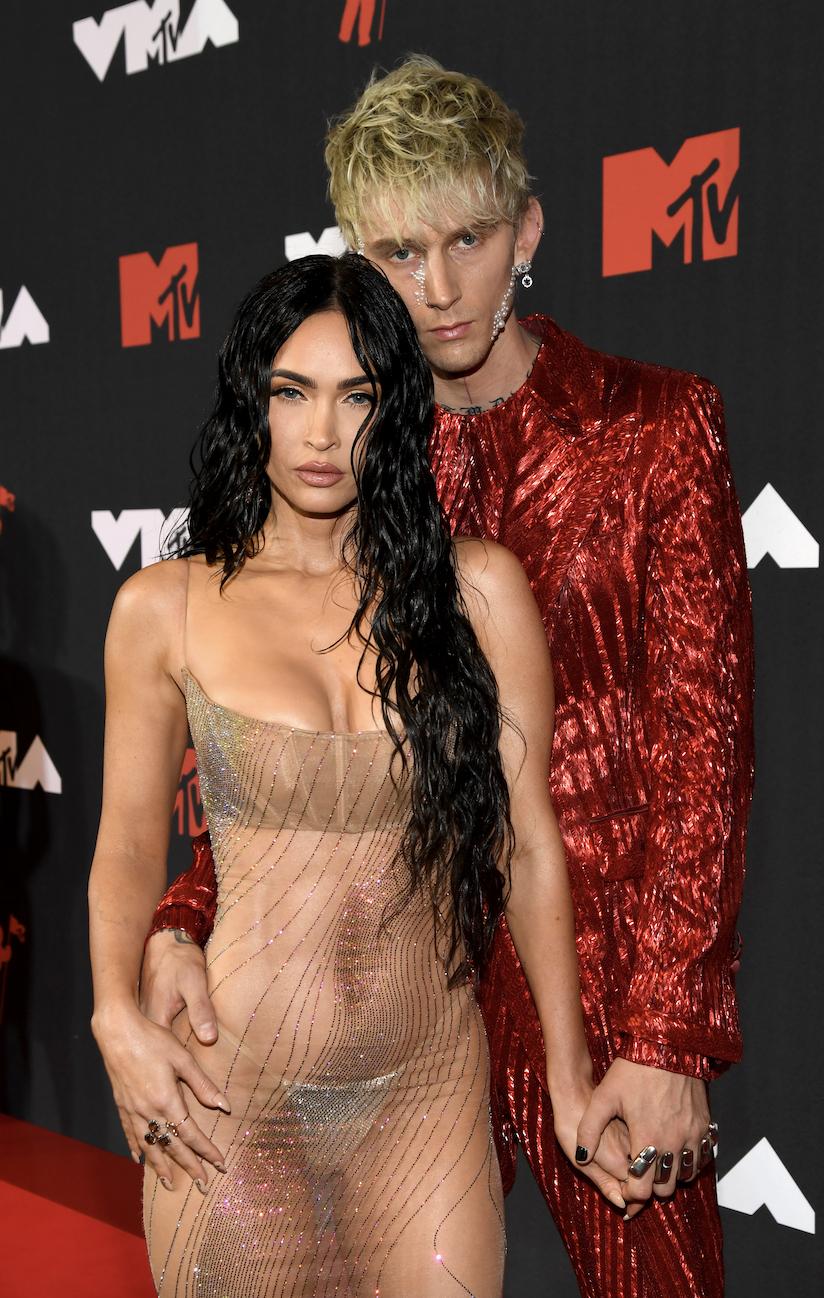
{"x": 323, "y": 431}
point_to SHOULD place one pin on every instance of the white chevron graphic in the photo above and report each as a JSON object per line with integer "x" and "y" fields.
{"x": 760, "y": 1178}
{"x": 771, "y": 527}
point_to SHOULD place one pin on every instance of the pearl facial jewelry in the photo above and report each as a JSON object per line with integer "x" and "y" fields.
{"x": 499, "y": 318}
{"x": 419, "y": 276}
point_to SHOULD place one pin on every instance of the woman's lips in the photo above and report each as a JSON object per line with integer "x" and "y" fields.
{"x": 449, "y": 332}
{"x": 319, "y": 475}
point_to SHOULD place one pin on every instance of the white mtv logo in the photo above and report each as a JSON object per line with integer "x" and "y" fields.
{"x": 158, "y": 534}
{"x": 152, "y": 32}
{"x": 25, "y": 320}
{"x": 36, "y": 767}
{"x": 771, "y": 527}
{"x": 331, "y": 242}
{"x": 761, "y": 1178}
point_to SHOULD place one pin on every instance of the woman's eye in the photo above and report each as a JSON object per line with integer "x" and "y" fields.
{"x": 467, "y": 241}
{"x": 401, "y": 254}
{"x": 360, "y": 398}
{"x": 289, "y": 393}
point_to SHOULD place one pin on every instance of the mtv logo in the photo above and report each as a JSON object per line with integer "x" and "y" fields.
{"x": 25, "y": 321}
{"x": 188, "y": 808}
{"x": 771, "y": 527}
{"x": 165, "y": 293}
{"x": 36, "y": 767}
{"x": 152, "y": 33}
{"x": 761, "y": 1179}
{"x": 330, "y": 242}
{"x": 160, "y": 537}
{"x": 697, "y": 193}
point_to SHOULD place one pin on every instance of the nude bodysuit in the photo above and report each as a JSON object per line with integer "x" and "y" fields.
{"x": 359, "y": 1154}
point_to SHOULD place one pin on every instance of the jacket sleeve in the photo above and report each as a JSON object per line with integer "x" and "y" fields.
{"x": 696, "y": 703}
{"x": 191, "y": 902}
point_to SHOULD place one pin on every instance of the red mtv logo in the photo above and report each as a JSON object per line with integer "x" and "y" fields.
{"x": 165, "y": 293}
{"x": 188, "y": 807}
{"x": 696, "y": 193}
{"x": 364, "y": 11}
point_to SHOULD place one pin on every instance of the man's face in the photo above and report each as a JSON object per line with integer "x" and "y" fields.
{"x": 453, "y": 281}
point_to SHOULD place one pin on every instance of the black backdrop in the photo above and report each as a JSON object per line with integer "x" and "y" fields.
{"x": 223, "y": 149}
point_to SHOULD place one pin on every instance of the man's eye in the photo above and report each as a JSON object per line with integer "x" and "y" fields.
{"x": 468, "y": 240}
{"x": 401, "y": 254}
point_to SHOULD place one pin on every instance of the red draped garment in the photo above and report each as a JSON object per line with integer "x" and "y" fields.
{"x": 610, "y": 481}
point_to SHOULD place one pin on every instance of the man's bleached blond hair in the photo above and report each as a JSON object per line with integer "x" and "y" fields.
{"x": 434, "y": 146}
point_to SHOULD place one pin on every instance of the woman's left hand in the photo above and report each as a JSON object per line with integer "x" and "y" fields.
{"x": 569, "y": 1104}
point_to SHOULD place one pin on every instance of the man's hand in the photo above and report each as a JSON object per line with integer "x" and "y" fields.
{"x": 662, "y": 1110}
{"x": 173, "y": 978}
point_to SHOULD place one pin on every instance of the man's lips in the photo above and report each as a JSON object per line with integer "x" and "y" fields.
{"x": 448, "y": 332}
{"x": 319, "y": 475}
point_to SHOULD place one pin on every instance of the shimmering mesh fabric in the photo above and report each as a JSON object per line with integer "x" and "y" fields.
{"x": 360, "y": 1156}
{"x": 610, "y": 481}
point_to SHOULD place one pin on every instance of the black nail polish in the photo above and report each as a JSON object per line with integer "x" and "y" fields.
{"x": 581, "y": 1154}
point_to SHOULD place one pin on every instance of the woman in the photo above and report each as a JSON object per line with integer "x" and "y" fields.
{"x": 371, "y": 709}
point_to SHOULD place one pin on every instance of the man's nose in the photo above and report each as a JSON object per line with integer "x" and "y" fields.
{"x": 440, "y": 282}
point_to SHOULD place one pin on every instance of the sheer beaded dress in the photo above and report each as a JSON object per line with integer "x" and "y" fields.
{"x": 359, "y": 1153}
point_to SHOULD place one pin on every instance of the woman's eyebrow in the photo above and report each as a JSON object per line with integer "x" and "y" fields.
{"x": 296, "y": 378}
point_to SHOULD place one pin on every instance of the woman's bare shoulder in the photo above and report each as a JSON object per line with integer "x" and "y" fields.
{"x": 489, "y": 569}
{"x": 152, "y": 603}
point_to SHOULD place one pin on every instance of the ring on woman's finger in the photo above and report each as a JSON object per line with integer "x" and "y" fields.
{"x": 664, "y": 1169}
{"x": 713, "y": 1133}
{"x": 641, "y": 1165}
{"x": 687, "y": 1163}
{"x": 158, "y": 1133}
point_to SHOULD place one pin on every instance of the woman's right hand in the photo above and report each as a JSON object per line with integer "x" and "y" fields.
{"x": 148, "y": 1067}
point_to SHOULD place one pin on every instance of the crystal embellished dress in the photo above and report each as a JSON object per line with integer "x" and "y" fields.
{"x": 359, "y": 1153}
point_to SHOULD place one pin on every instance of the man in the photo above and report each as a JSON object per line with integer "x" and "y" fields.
{"x": 610, "y": 481}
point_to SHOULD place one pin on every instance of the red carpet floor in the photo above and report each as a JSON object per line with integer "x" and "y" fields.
{"x": 70, "y": 1223}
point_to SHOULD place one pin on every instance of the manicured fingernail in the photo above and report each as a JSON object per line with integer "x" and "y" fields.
{"x": 164, "y": 1183}
{"x": 200, "y": 1186}
{"x": 626, "y": 1218}
{"x": 224, "y": 1104}
{"x": 220, "y": 1168}
{"x": 136, "y": 1158}
{"x": 618, "y": 1201}
{"x": 581, "y": 1154}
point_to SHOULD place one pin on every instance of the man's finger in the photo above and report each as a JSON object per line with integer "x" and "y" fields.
{"x": 189, "y": 1134}
{"x": 599, "y": 1113}
{"x": 193, "y": 989}
{"x": 201, "y": 1086}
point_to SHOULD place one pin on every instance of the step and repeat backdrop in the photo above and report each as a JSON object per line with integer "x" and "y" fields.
{"x": 158, "y": 158}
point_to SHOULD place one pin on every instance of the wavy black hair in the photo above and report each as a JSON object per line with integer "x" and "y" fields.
{"x": 437, "y": 693}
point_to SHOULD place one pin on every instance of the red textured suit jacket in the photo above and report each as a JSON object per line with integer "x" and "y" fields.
{"x": 610, "y": 481}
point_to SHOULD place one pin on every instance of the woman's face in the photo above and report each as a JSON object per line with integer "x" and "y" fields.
{"x": 320, "y": 396}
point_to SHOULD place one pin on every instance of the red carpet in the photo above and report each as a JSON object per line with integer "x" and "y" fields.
{"x": 70, "y": 1221}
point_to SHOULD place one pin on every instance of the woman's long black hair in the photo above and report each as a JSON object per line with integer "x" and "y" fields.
{"x": 437, "y": 693}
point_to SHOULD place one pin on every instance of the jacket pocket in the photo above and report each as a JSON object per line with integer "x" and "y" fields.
{"x": 619, "y": 840}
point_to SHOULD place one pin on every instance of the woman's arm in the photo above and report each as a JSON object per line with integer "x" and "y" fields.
{"x": 146, "y": 735}
{"x": 539, "y": 908}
